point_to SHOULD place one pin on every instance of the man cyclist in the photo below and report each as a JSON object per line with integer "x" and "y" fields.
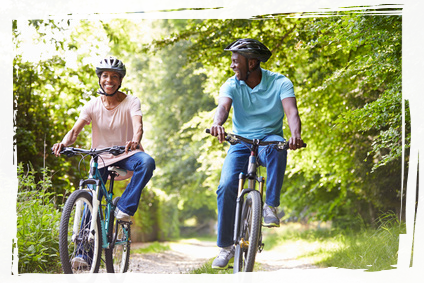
{"x": 260, "y": 99}
{"x": 116, "y": 120}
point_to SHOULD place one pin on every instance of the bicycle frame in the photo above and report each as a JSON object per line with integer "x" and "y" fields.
{"x": 97, "y": 189}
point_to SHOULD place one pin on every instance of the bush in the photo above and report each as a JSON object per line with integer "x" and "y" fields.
{"x": 38, "y": 223}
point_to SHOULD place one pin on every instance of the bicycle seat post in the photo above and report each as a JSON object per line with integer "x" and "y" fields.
{"x": 112, "y": 180}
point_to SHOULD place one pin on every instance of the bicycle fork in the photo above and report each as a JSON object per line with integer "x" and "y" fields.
{"x": 239, "y": 204}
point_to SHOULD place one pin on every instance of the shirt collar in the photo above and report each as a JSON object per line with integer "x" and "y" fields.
{"x": 261, "y": 86}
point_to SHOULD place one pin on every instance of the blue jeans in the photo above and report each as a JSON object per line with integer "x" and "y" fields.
{"x": 236, "y": 162}
{"x": 143, "y": 166}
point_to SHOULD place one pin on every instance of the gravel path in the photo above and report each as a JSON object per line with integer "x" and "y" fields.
{"x": 278, "y": 265}
{"x": 275, "y": 266}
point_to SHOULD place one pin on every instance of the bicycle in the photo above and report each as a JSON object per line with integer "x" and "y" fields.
{"x": 88, "y": 225}
{"x": 249, "y": 206}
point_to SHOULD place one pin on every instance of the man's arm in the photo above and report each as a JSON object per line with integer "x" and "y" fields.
{"x": 70, "y": 137}
{"x": 221, "y": 115}
{"x": 293, "y": 119}
{"x": 137, "y": 122}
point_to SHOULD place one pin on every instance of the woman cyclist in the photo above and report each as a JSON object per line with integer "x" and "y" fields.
{"x": 116, "y": 120}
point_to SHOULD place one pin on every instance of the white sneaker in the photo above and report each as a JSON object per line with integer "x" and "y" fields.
{"x": 79, "y": 262}
{"x": 226, "y": 256}
{"x": 270, "y": 216}
{"x": 120, "y": 215}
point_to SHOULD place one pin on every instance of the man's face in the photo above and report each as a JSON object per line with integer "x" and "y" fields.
{"x": 239, "y": 66}
{"x": 110, "y": 81}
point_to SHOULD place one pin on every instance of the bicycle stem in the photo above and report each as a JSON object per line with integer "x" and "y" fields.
{"x": 96, "y": 203}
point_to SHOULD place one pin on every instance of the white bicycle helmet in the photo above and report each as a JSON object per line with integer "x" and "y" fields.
{"x": 111, "y": 64}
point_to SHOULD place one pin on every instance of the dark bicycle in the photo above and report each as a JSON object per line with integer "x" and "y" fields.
{"x": 249, "y": 206}
{"x": 88, "y": 225}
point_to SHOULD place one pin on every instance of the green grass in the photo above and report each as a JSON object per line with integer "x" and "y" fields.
{"x": 154, "y": 247}
{"x": 206, "y": 274}
{"x": 371, "y": 249}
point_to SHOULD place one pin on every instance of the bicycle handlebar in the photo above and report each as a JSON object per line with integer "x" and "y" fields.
{"x": 72, "y": 151}
{"x": 233, "y": 139}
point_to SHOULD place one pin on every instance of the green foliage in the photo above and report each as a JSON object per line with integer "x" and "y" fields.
{"x": 346, "y": 71}
{"x": 167, "y": 218}
{"x": 38, "y": 223}
{"x": 347, "y": 76}
{"x": 157, "y": 214}
{"x": 380, "y": 79}
{"x": 179, "y": 96}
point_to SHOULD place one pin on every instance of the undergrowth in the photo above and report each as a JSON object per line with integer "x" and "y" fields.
{"x": 38, "y": 219}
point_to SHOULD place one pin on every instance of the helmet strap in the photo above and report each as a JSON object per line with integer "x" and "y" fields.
{"x": 248, "y": 70}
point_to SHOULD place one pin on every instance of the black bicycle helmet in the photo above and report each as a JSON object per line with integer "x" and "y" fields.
{"x": 250, "y": 48}
{"x": 111, "y": 64}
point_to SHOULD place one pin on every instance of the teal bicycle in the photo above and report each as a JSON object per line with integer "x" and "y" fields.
{"x": 88, "y": 225}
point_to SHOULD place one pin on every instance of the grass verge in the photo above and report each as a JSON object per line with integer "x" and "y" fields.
{"x": 370, "y": 249}
{"x": 154, "y": 247}
{"x": 206, "y": 274}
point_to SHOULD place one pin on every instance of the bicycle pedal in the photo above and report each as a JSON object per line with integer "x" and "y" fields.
{"x": 124, "y": 222}
{"x": 261, "y": 247}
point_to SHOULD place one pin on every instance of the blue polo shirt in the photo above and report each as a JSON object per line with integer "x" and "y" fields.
{"x": 258, "y": 112}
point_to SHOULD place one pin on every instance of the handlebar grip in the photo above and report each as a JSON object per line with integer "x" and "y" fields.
{"x": 208, "y": 131}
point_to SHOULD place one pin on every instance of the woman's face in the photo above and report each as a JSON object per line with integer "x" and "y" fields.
{"x": 110, "y": 81}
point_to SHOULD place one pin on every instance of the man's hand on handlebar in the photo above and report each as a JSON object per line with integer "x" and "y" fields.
{"x": 295, "y": 143}
{"x": 218, "y": 131}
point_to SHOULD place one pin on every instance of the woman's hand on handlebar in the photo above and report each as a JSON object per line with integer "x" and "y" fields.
{"x": 133, "y": 145}
{"x": 218, "y": 131}
{"x": 57, "y": 148}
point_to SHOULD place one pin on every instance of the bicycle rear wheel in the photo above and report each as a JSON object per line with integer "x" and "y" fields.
{"x": 247, "y": 246}
{"x": 78, "y": 253}
{"x": 118, "y": 256}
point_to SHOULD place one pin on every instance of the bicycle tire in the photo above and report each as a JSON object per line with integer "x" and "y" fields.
{"x": 244, "y": 257}
{"x": 118, "y": 257}
{"x": 72, "y": 248}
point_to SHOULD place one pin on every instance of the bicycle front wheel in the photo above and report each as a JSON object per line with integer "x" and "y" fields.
{"x": 79, "y": 253}
{"x": 118, "y": 255}
{"x": 247, "y": 246}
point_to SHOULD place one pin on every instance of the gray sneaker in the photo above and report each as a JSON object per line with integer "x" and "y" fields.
{"x": 226, "y": 256}
{"x": 270, "y": 217}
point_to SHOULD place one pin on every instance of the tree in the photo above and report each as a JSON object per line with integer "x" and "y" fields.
{"x": 343, "y": 67}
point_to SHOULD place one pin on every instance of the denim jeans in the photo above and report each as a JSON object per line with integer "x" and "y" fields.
{"x": 236, "y": 162}
{"x": 142, "y": 166}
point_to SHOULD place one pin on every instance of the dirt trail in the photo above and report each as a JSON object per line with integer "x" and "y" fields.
{"x": 191, "y": 254}
{"x": 278, "y": 265}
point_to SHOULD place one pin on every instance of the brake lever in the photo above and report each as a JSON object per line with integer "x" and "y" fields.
{"x": 68, "y": 152}
{"x": 285, "y": 145}
{"x": 116, "y": 150}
